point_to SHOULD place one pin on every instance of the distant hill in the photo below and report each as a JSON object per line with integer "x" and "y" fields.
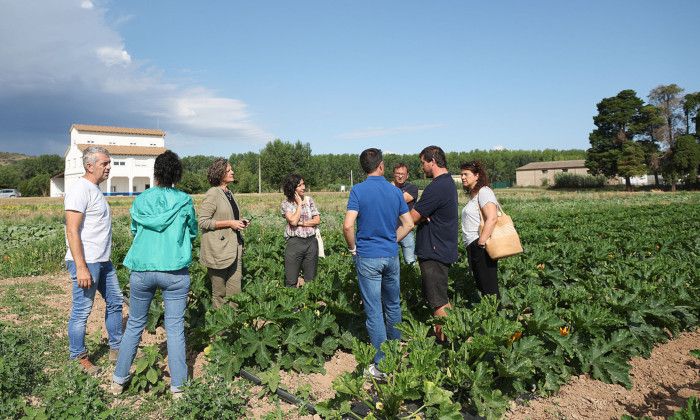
{"x": 7, "y": 158}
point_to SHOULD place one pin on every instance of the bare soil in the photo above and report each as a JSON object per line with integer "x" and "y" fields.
{"x": 661, "y": 384}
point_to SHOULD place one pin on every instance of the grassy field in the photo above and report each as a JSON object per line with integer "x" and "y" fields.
{"x": 598, "y": 263}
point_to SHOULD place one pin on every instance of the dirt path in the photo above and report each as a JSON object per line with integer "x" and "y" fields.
{"x": 661, "y": 384}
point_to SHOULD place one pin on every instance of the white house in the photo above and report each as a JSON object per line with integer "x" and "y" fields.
{"x": 133, "y": 152}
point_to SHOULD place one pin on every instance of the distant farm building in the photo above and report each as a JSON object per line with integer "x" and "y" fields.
{"x": 133, "y": 152}
{"x": 536, "y": 174}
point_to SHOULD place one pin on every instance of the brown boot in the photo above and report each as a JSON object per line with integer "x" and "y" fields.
{"x": 87, "y": 366}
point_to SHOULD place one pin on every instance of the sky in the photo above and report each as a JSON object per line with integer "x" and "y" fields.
{"x": 222, "y": 77}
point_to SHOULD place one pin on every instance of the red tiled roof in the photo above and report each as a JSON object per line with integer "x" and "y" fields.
{"x": 127, "y": 150}
{"x": 118, "y": 130}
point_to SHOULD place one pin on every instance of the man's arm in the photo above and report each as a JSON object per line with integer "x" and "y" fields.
{"x": 416, "y": 217}
{"x": 407, "y": 197}
{"x": 349, "y": 230}
{"x": 73, "y": 221}
{"x": 406, "y": 226}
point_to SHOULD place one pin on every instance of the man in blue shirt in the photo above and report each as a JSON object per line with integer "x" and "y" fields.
{"x": 436, "y": 216}
{"x": 375, "y": 205}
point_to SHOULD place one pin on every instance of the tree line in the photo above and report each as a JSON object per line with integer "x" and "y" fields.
{"x": 330, "y": 171}
{"x": 635, "y": 138}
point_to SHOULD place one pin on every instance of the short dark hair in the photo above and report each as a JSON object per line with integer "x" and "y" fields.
{"x": 434, "y": 153}
{"x": 290, "y": 184}
{"x": 370, "y": 159}
{"x": 167, "y": 170}
{"x": 217, "y": 171}
{"x": 477, "y": 168}
{"x": 401, "y": 165}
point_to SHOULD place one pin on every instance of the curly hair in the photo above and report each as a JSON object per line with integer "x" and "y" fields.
{"x": 477, "y": 168}
{"x": 167, "y": 170}
{"x": 217, "y": 171}
{"x": 290, "y": 185}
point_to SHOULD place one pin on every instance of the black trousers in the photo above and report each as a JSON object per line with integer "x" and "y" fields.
{"x": 300, "y": 254}
{"x": 484, "y": 268}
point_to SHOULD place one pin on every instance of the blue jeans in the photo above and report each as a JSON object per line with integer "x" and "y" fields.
{"x": 143, "y": 285}
{"x": 408, "y": 247}
{"x": 380, "y": 288}
{"x": 104, "y": 280}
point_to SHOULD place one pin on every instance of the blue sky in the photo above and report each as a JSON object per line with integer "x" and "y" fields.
{"x": 227, "y": 76}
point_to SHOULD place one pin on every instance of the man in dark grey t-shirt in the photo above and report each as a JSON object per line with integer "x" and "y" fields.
{"x": 437, "y": 219}
{"x": 410, "y": 195}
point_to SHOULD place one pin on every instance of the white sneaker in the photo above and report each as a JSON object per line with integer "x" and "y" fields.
{"x": 373, "y": 372}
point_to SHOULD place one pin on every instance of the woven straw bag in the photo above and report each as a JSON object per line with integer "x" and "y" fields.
{"x": 504, "y": 240}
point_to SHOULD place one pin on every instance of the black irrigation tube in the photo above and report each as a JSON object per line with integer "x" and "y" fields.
{"x": 359, "y": 408}
{"x": 282, "y": 393}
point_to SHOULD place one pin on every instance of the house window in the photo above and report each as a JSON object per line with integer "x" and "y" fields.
{"x": 565, "y": 170}
{"x": 544, "y": 171}
{"x": 147, "y": 186}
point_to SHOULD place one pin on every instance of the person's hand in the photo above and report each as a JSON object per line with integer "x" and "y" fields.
{"x": 297, "y": 199}
{"x": 238, "y": 224}
{"x": 84, "y": 277}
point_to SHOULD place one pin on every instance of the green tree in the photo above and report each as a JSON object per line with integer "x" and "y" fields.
{"x": 36, "y": 186}
{"x": 280, "y": 158}
{"x": 682, "y": 160}
{"x": 647, "y": 124}
{"x": 631, "y": 162}
{"x": 691, "y": 105}
{"x": 245, "y": 166}
{"x": 668, "y": 99}
{"x": 617, "y": 123}
{"x": 193, "y": 183}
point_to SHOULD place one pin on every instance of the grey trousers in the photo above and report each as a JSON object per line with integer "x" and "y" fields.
{"x": 226, "y": 281}
{"x": 300, "y": 254}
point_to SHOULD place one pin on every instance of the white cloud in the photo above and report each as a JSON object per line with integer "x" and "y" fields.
{"x": 80, "y": 70}
{"x": 111, "y": 56}
{"x": 385, "y": 131}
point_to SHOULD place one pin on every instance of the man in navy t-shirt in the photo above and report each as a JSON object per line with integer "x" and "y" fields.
{"x": 410, "y": 195}
{"x": 436, "y": 216}
{"x": 375, "y": 205}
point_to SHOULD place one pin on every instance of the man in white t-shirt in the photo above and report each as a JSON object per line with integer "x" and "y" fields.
{"x": 89, "y": 243}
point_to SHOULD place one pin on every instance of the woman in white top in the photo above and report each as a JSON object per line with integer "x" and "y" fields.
{"x": 481, "y": 205}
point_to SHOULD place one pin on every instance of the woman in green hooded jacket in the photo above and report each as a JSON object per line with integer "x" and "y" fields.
{"x": 164, "y": 225}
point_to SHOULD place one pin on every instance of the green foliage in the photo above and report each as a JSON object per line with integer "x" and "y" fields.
{"x": 569, "y": 180}
{"x": 281, "y": 158}
{"x": 682, "y": 159}
{"x": 20, "y": 369}
{"x": 211, "y": 397}
{"x": 193, "y": 183}
{"x": 31, "y": 175}
{"x": 148, "y": 374}
{"x": 73, "y": 394}
{"x": 691, "y": 411}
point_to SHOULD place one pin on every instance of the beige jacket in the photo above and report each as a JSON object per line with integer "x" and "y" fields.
{"x": 219, "y": 247}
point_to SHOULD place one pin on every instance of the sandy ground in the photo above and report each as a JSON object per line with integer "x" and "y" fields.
{"x": 661, "y": 384}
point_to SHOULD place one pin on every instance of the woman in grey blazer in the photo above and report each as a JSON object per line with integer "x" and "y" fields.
{"x": 221, "y": 225}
